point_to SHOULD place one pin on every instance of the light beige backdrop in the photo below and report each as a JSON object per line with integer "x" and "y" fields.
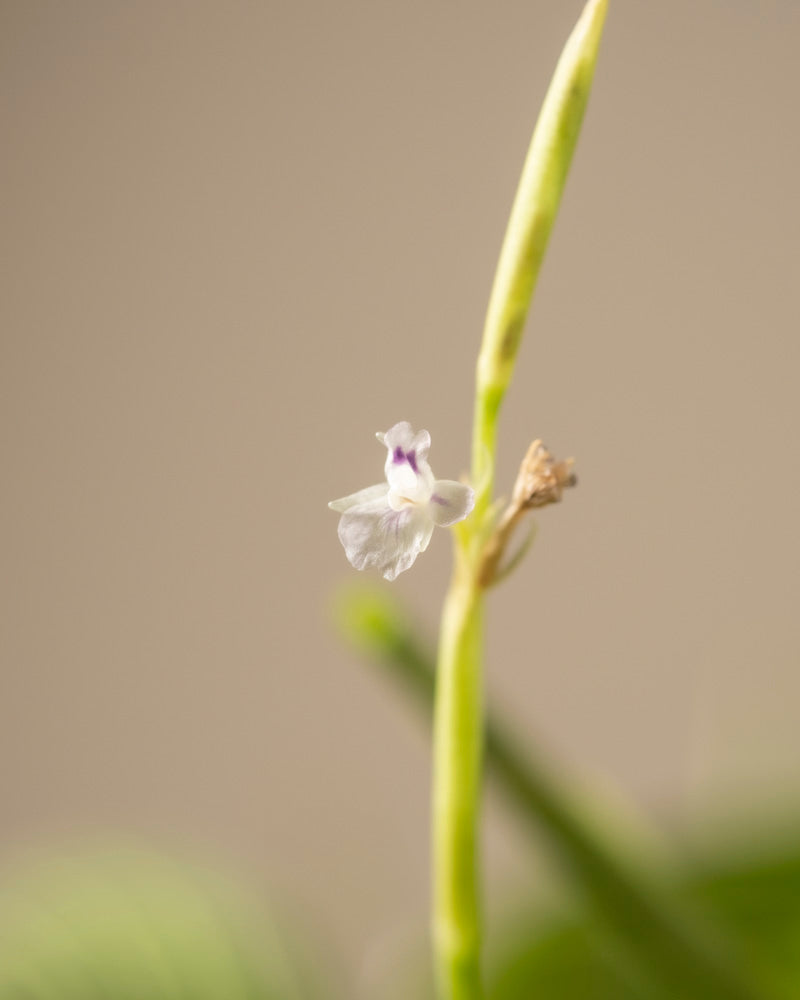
{"x": 240, "y": 238}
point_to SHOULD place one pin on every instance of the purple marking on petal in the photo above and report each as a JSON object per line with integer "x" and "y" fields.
{"x": 399, "y": 457}
{"x": 435, "y": 498}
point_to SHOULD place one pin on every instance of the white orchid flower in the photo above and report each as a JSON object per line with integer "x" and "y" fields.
{"x": 385, "y": 527}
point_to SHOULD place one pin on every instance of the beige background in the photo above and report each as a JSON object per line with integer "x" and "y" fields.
{"x": 237, "y": 240}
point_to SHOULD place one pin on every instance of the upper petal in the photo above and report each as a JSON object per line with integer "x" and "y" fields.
{"x": 407, "y": 470}
{"x": 450, "y": 502}
{"x": 366, "y": 496}
{"x": 402, "y": 436}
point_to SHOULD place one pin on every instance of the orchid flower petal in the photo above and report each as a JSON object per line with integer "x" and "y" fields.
{"x": 374, "y": 536}
{"x": 450, "y": 502}
{"x": 402, "y": 436}
{"x": 407, "y": 470}
{"x": 362, "y": 497}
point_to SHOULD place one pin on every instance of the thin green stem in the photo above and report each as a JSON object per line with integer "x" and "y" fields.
{"x": 529, "y": 226}
{"x": 457, "y": 755}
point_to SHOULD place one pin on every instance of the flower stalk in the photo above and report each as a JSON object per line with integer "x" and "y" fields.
{"x": 458, "y": 753}
{"x": 458, "y": 712}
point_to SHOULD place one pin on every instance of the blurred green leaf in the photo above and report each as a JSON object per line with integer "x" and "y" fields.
{"x": 133, "y": 927}
{"x": 755, "y": 898}
{"x": 555, "y": 961}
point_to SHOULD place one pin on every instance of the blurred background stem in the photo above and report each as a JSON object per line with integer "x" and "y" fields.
{"x": 675, "y": 949}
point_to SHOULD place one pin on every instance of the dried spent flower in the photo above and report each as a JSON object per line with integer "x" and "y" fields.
{"x": 541, "y": 480}
{"x": 385, "y": 527}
